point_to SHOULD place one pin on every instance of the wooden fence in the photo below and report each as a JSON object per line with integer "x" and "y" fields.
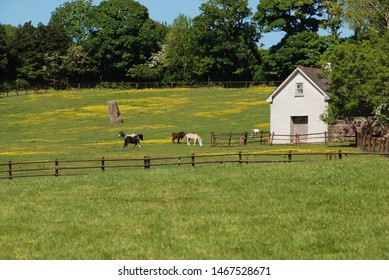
{"x": 297, "y": 139}
{"x": 265, "y": 137}
{"x": 372, "y": 144}
{"x": 67, "y": 85}
{"x": 58, "y": 167}
{"x": 238, "y": 139}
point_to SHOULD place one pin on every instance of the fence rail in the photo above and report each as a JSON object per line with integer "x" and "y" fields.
{"x": 59, "y": 168}
{"x": 297, "y": 139}
{"x": 238, "y": 139}
{"x": 270, "y": 138}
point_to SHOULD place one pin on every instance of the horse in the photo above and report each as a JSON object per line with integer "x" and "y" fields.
{"x": 178, "y": 135}
{"x": 131, "y": 138}
{"x": 255, "y": 132}
{"x": 195, "y": 138}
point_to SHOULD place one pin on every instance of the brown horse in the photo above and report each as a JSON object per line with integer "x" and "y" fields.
{"x": 178, "y": 135}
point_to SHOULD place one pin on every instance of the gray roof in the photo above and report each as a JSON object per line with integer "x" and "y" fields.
{"x": 316, "y": 75}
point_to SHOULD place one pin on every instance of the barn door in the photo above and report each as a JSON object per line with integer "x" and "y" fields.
{"x": 299, "y": 125}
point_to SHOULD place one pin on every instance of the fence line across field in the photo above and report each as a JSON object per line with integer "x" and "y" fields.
{"x": 58, "y": 167}
{"x": 270, "y": 138}
{"x": 67, "y": 86}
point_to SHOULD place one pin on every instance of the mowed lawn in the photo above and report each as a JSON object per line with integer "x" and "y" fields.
{"x": 312, "y": 210}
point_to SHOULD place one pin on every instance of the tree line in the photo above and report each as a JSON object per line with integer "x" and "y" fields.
{"x": 116, "y": 40}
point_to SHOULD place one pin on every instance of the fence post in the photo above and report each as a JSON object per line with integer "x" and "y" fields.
{"x": 271, "y": 139}
{"x": 387, "y": 143}
{"x": 241, "y": 139}
{"x": 364, "y": 143}
{"x": 246, "y": 135}
{"x": 369, "y": 144}
{"x": 10, "y": 170}
{"x": 56, "y": 168}
{"x": 383, "y": 142}
{"x": 146, "y": 162}
{"x": 357, "y": 139}
{"x": 193, "y": 159}
{"x": 212, "y": 139}
{"x": 340, "y": 155}
{"x": 240, "y": 157}
{"x": 290, "y": 156}
{"x": 102, "y": 164}
{"x": 261, "y": 137}
{"x": 229, "y": 140}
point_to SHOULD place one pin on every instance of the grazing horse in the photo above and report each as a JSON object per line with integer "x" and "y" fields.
{"x": 131, "y": 138}
{"x": 178, "y": 135}
{"x": 195, "y": 138}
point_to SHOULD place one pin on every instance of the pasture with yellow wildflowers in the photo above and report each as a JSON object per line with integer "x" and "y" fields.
{"x": 319, "y": 210}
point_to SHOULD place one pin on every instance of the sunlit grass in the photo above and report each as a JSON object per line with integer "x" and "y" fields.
{"x": 289, "y": 211}
{"x": 317, "y": 210}
{"x": 64, "y": 122}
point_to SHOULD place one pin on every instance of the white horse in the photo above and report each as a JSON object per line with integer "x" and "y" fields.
{"x": 195, "y": 137}
{"x": 255, "y": 132}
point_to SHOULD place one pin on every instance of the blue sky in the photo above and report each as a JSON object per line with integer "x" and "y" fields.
{"x": 17, "y": 12}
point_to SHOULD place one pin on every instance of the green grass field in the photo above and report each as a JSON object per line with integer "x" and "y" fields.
{"x": 320, "y": 210}
{"x": 63, "y": 123}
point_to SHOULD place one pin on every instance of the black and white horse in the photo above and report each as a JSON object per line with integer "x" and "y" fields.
{"x": 131, "y": 138}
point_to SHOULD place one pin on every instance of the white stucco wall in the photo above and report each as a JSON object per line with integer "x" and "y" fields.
{"x": 285, "y": 105}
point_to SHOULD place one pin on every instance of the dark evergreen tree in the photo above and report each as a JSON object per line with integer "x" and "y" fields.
{"x": 3, "y": 54}
{"x": 25, "y": 55}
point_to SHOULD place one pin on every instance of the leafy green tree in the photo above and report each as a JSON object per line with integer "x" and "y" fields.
{"x": 179, "y": 47}
{"x": 302, "y": 49}
{"x": 333, "y": 18}
{"x": 226, "y": 41}
{"x": 359, "y": 78}
{"x": 25, "y": 56}
{"x": 368, "y": 16}
{"x": 74, "y": 16}
{"x": 291, "y": 17}
{"x": 3, "y": 53}
{"x": 122, "y": 36}
{"x": 53, "y": 45}
{"x": 77, "y": 65}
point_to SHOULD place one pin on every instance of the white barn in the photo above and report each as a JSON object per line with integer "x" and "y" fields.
{"x": 296, "y": 106}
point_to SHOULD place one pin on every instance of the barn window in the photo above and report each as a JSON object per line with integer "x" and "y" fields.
{"x": 299, "y": 89}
